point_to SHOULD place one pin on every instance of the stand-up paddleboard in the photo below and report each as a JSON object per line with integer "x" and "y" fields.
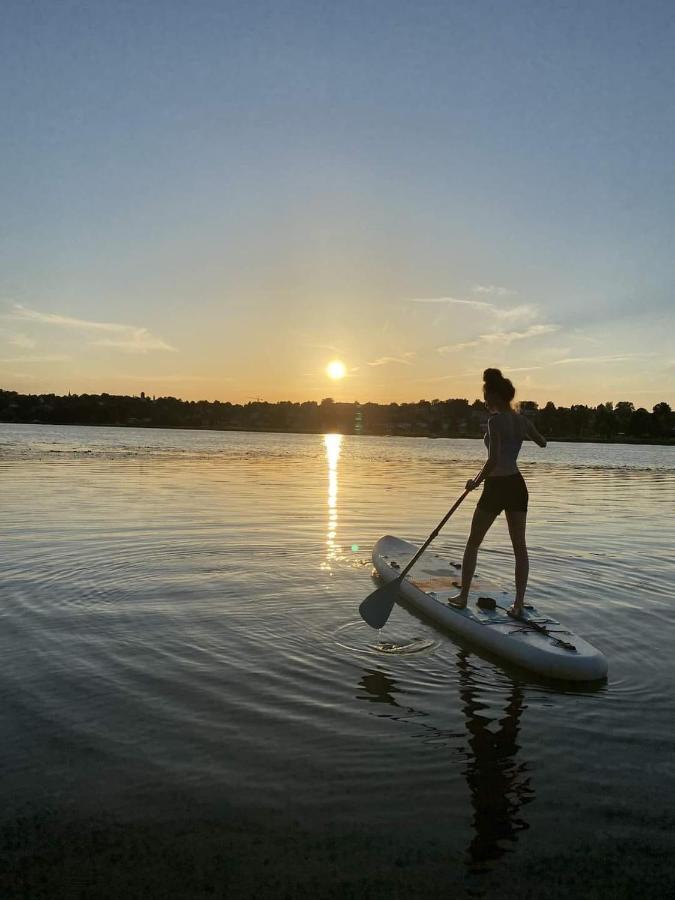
{"x": 537, "y": 643}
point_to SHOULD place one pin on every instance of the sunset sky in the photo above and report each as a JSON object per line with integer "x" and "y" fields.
{"x": 216, "y": 199}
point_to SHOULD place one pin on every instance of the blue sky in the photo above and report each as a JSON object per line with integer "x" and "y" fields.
{"x": 215, "y": 199}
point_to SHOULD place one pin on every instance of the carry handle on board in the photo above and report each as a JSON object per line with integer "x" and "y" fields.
{"x": 377, "y": 607}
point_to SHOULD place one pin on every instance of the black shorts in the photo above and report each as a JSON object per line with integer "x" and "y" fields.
{"x": 504, "y": 492}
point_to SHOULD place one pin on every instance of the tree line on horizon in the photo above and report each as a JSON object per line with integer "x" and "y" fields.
{"x": 433, "y": 418}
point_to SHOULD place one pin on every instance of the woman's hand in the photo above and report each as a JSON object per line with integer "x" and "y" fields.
{"x": 471, "y": 484}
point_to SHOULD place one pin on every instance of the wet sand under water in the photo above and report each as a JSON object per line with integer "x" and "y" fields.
{"x": 237, "y": 855}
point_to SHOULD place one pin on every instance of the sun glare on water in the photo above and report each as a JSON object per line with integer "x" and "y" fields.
{"x": 336, "y": 370}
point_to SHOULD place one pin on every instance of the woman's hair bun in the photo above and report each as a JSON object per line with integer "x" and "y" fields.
{"x": 492, "y": 376}
{"x": 495, "y": 383}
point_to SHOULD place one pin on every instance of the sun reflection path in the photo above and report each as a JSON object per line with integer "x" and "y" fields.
{"x": 332, "y": 443}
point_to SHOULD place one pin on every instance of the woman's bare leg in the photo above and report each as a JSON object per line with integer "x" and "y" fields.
{"x": 516, "y": 522}
{"x": 480, "y": 524}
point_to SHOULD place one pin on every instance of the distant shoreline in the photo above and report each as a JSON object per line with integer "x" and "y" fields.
{"x": 619, "y": 423}
{"x": 619, "y": 439}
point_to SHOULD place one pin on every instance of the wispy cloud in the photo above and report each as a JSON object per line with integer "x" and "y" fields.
{"x": 494, "y": 290}
{"x": 129, "y": 338}
{"x": 173, "y": 378}
{"x": 478, "y": 304}
{"x": 455, "y": 348}
{"x": 404, "y": 359}
{"x": 508, "y": 337}
{"x": 136, "y": 340}
{"x": 500, "y": 338}
{"x": 34, "y": 359}
{"x": 569, "y": 360}
{"x": 437, "y": 379}
{"x": 34, "y": 315}
{"x": 22, "y": 341}
{"x": 583, "y": 336}
{"x": 557, "y": 352}
{"x": 523, "y": 311}
{"x": 330, "y": 347}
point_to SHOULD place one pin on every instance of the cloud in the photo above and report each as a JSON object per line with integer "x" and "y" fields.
{"x": 123, "y": 337}
{"x": 22, "y": 341}
{"x": 523, "y": 311}
{"x": 462, "y": 376}
{"x": 500, "y": 338}
{"x": 331, "y": 347}
{"x": 508, "y": 337}
{"x": 478, "y": 304}
{"x": 405, "y": 359}
{"x": 583, "y": 336}
{"x": 455, "y": 348}
{"x": 33, "y": 315}
{"x": 569, "y": 360}
{"x": 34, "y": 359}
{"x": 493, "y": 289}
{"x": 172, "y": 378}
{"x": 137, "y": 340}
{"x": 554, "y": 352}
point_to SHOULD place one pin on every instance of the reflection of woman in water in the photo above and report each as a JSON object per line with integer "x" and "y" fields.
{"x": 498, "y": 783}
{"x": 504, "y": 487}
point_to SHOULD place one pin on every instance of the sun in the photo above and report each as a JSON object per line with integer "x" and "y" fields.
{"x": 336, "y": 370}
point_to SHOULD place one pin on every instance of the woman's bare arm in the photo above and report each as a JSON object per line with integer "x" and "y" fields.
{"x": 533, "y": 434}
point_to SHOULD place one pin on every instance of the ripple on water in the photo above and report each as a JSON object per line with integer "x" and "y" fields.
{"x": 186, "y": 604}
{"x": 356, "y": 636}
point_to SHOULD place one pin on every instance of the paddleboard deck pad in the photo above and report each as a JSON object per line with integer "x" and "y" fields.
{"x": 539, "y": 643}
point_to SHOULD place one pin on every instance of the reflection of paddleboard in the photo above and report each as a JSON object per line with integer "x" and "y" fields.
{"x": 432, "y": 580}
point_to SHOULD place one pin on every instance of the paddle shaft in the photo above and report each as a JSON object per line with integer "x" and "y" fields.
{"x": 430, "y": 538}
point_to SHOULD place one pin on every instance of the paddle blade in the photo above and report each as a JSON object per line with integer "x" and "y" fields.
{"x": 377, "y": 607}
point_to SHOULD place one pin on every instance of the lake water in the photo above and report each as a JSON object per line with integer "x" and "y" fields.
{"x": 181, "y": 647}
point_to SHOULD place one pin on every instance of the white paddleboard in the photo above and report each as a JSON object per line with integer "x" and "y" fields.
{"x": 433, "y": 579}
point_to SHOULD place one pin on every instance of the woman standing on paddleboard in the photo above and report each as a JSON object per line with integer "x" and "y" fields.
{"x": 504, "y": 487}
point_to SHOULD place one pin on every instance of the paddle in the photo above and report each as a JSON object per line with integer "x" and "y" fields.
{"x": 377, "y": 607}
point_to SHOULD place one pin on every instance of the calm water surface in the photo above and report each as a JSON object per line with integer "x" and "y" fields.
{"x": 179, "y": 630}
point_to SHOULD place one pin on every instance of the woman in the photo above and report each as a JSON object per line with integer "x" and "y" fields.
{"x": 504, "y": 487}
